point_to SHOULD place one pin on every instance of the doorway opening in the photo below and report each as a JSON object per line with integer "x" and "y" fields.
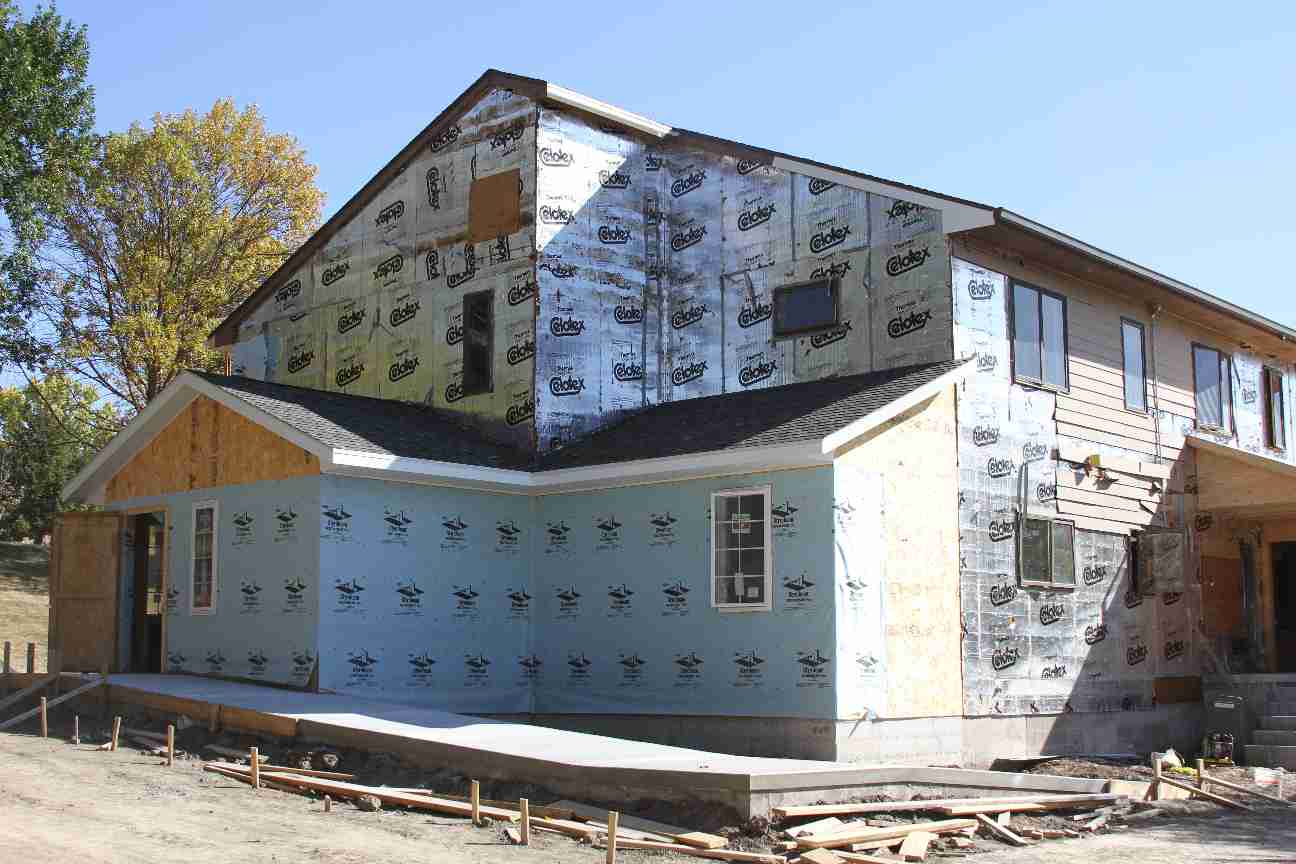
{"x": 144, "y": 578}
{"x": 1284, "y": 576}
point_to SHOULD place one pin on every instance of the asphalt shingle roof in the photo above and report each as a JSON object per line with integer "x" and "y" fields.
{"x": 775, "y": 415}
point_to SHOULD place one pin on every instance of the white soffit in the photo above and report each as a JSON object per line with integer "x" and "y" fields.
{"x": 955, "y": 216}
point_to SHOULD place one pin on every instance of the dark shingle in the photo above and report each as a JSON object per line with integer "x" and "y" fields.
{"x": 756, "y": 418}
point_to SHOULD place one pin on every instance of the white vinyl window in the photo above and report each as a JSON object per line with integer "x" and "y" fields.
{"x": 741, "y": 560}
{"x": 1046, "y": 553}
{"x": 202, "y": 588}
{"x": 1213, "y": 386}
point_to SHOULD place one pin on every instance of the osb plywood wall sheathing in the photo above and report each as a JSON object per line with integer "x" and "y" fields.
{"x": 207, "y": 446}
{"x": 379, "y": 311}
{"x": 914, "y": 461}
{"x": 1099, "y": 646}
{"x": 658, "y": 262}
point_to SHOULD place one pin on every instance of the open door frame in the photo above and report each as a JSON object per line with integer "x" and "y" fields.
{"x": 166, "y": 570}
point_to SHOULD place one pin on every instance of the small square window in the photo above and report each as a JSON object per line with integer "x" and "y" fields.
{"x": 741, "y": 543}
{"x": 805, "y": 307}
{"x": 1046, "y": 553}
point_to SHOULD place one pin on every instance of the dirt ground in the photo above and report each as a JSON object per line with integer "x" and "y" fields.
{"x": 60, "y": 802}
{"x": 24, "y": 600}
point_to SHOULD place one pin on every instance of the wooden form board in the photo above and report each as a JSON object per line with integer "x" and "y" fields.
{"x": 239, "y": 719}
{"x": 85, "y": 561}
{"x": 205, "y": 446}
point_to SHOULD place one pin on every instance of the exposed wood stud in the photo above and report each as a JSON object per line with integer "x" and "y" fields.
{"x": 475, "y": 800}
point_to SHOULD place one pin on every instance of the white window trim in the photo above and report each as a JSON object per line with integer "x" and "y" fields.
{"x": 214, "y": 506}
{"x": 768, "y": 605}
{"x": 1050, "y": 584}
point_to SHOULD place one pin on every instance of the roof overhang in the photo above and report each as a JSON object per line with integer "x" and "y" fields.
{"x": 1038, "y": 242}
{"x": 90, "y": 483}
{"x": 1240, "y": 483}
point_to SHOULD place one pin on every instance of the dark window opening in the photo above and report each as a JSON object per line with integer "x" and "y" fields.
{"x": 1134, "y": 367}
{"x": 1039, "y": 338}
{"x": 806, "y": 306}
{"x": 478, "y": 342}
{"x": 1213, "y": 387}
{"x": 1275, "y": 409}
{"x": 1047, "y": 553}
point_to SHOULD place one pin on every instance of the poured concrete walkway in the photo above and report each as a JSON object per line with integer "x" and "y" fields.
{"x": 594, "y": 767}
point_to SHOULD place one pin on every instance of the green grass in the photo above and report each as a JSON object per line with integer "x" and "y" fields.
{"x": 24, "y": 600}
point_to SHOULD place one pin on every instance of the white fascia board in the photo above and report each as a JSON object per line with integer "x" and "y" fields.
{"x": 955, "y": 216}
{"x": 377, "y": 466}
{"x": 605, "y": 110}
{"x": 844, "y": 436}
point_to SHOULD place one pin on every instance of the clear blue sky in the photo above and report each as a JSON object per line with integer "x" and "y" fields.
{"x": 1166, "y": 135}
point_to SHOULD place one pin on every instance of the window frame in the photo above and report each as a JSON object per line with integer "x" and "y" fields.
{"x": 767, "y": 496}
{"x": 1275, "y": 434}
{"x": 214, "y": 506}
{"x": 1051, "y": 583}
{"x": 489, "y": 385}
{"x": 1142, "y": 360}
{"x": 1230, "y": 427}
{"x": 834, "y": 287}
{"x": 1018, "y": 377}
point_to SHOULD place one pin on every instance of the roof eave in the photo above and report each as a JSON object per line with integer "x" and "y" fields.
{"x": 1016, "y": 220}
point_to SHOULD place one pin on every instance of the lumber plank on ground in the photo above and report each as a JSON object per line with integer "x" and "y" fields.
{"x": 713, "y": 854}
{"x": 39, "y": 685}
{"x": 869, "y": 835}
{"x": 310, "y": 772}
{"x": 819, "y": 826}
{"x": 71, "y": 694}
{"x": 820, "y": 856}
{"x": 235, "y": 754}
{"x": 342, "y": 789}
{"x": 914, "y": 847}
{"x": 668, "y": 833}
{"x": 1030, "y": 807}
{"x": 800, "y": 811}
{"x": 1209, "y": 796}
{"x": 143, "y": 733}
{"x": 858, "y": 858}
{"x": 514, "y": 836}
{"x": 1000, "y": 831}
{"x": 550, "y": 811}
{"x": 1237, "y": 787}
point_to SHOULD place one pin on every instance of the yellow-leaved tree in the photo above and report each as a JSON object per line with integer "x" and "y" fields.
{"x": 176, "y": 225}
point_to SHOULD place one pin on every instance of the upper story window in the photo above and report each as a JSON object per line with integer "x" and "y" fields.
{"x": 1213, "y": 387}
{"x": 804, "y": 307}
{"x": 478, "y": 342}
{"x": 742, "y": 561}
{"x": 1039, "y": 337}
{"x": 1275, "y": 409}
{"x": 1134, "y": 364}
{"x": 202, "y": 593}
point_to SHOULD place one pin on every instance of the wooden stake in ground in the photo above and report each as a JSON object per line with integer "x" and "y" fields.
{"x": 613, "y": 818}
{"x": 524, "y": 837}
{"x": 170, "y": 745}
{"x": 31, "y": 656}
{"x": 76, "y": 728}
{"x": 1154, "y": 791}
{"x": 255, "y": 762}
{"x": 328, "y": 804}
{"x": 474, "y": 798}
{"x": 115, "y": 733}
{"x": 44, "y": 715}
{"x": 7, "y": 668}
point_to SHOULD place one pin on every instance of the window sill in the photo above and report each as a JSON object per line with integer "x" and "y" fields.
{"x": 203, "y": 611}
{"x": 1045, "y": 586}
{"x": 743, "y": 608}
{"x": 1037, "y": 385}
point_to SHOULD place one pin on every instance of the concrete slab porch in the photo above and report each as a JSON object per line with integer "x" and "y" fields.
{"x": 574, "y": 764}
